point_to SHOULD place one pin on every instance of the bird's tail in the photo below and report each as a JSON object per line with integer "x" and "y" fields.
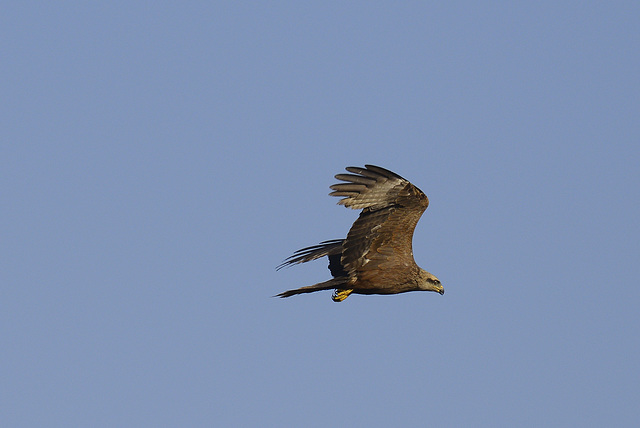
{"x": 339, "y": 282}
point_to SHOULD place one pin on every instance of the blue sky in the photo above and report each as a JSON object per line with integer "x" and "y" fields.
{"x": 160, "y": 159}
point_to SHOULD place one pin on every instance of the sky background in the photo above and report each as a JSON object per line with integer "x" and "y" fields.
{"x": 159, "y": 159}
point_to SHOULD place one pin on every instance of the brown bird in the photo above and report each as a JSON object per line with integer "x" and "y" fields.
{"x": 377, "y": 256}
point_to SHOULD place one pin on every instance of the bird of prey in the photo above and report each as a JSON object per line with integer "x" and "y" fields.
{"x": 377, "y": 255}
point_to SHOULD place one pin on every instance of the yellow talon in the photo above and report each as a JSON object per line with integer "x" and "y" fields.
{"x": 340, "y": 295}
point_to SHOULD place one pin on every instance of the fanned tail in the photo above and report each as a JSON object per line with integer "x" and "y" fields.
{"x": 327, "y": 285}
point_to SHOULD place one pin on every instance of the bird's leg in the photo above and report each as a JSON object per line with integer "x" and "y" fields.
{"x": 340, "y": 295}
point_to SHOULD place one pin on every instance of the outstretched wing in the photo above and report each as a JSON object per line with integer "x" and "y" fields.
{"x": 379, "y": 242}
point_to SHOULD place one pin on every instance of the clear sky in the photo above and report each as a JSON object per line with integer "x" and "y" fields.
{"x": 159, "y": 159}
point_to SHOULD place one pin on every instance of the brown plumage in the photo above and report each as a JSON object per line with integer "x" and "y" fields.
{"x": 377, "y": 255}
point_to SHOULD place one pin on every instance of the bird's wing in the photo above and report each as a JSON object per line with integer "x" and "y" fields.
{"x": 325, "y": 248}
{"x": 380, "y": 239}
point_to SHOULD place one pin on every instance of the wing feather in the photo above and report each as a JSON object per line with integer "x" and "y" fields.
{"x": 325, "y": 248}
{"x": 373, "y": 187}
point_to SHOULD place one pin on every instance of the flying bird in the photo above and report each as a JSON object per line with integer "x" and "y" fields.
{"x": 377, "y": 255}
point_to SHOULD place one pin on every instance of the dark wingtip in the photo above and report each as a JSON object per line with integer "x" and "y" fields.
{"x": 284, "y": 294}
{"x": 383, "y": 171}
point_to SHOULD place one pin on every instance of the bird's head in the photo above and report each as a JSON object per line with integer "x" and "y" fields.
{"x": 429, "y": 282}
